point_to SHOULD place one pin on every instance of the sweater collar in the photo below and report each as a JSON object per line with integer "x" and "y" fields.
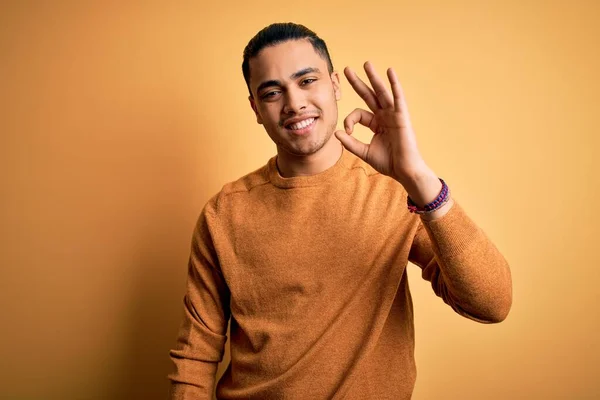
{"x": 332, "y": 172}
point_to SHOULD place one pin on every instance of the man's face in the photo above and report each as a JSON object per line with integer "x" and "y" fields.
{"x": 294, "y": 96}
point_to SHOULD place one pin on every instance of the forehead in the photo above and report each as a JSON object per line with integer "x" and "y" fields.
{"x": 279, "y": 62}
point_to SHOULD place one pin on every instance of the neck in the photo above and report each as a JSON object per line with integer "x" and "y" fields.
{"x": 290, "y": 165}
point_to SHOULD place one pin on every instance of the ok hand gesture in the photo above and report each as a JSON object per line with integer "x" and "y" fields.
{"x": 393, "y": 149}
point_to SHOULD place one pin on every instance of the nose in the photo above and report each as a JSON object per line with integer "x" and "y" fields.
{"x": 295, "y": 101}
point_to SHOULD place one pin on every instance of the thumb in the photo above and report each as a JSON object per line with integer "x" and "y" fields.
{"x": 354, "y": 145}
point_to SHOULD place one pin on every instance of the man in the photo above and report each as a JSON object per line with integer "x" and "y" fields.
{"x": 308, "y": 254}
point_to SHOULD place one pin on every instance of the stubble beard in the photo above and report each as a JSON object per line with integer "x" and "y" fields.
{"x": 307, "y": 148}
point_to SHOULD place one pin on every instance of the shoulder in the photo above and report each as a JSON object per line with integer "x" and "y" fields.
{"x": 238, "y": 188}
{"x": 356, "y": 166}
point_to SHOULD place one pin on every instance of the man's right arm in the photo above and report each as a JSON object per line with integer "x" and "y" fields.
{"x": 202, "y": 335}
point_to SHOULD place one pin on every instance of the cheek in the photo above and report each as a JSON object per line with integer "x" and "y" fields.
{"x": 328, "y": 104}
{"x": 327, "y": 100}
{"x": 270, "y": 114}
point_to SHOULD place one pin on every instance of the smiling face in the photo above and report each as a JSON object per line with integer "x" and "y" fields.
{"x": 294, "y": 96}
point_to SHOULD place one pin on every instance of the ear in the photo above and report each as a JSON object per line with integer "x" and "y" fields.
{"x": 337, "y": 89}
{"x": 253, "y": 105}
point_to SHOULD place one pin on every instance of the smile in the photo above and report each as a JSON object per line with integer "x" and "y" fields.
{"x": 302, "y": 124}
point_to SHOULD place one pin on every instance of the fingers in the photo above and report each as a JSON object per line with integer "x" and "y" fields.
{"x": 361, "y": 88}
{"x": 378, "y": 97}
{"x": 397, "y": 92}
{"x": 354, "y": 145}
{"x": 359, "y": 116}
{"x": 382, "y": 93}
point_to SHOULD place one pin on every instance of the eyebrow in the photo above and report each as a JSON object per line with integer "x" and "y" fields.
{"x": 294, "y": 76}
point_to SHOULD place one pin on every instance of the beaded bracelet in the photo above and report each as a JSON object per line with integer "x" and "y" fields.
{"x": 436, "y": 204}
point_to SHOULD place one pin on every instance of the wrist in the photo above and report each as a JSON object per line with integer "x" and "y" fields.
{"x": 440, "y": 212}
{"x": 426, "y": 191}
{"x": 422, "y": 187}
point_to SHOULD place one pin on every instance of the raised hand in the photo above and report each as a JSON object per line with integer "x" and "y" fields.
{"x": 393, "y": 149}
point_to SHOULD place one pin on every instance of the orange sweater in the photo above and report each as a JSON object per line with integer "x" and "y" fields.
{"x": 312, "y": 272}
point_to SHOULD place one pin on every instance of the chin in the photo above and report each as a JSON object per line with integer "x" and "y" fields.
{"x": 304, "y": 146}
{"x": 303, "y": 149}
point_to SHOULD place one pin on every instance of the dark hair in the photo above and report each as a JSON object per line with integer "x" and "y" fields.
{"x": 278, "y": 33}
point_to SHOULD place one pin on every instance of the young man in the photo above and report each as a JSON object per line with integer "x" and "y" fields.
{"x": 307, "y": 255}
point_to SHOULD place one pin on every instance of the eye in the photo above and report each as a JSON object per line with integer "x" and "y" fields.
{"x": 270, "y": 95}
{"x": 308, "y": 81}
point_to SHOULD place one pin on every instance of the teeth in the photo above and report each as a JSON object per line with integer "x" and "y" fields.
{"x": 302, "y": 124}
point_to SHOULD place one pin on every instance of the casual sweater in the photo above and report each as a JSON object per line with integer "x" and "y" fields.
{"x": 312, "y": 272}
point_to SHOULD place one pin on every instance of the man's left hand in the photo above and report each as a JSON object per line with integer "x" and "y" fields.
{"x": 393, "y": 149}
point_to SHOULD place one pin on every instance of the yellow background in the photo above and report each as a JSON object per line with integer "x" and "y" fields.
{"x": 118, "y": 122}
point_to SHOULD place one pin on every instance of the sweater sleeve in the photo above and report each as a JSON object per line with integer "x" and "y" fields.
{"x": 202, "y": 335}
{"x": 464, "y": 267}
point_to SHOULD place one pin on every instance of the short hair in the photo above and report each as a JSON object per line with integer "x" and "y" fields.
{"x": 278, "y": 33}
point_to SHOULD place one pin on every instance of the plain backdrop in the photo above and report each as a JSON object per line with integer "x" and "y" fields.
{"x": 118, "y": 120}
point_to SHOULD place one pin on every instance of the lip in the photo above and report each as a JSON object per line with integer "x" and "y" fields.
{"x": 299, "y": 118}
{"x": 303, "y": 131}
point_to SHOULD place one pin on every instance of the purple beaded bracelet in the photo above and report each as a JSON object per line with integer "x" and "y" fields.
{"x": 439, "y": 201}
